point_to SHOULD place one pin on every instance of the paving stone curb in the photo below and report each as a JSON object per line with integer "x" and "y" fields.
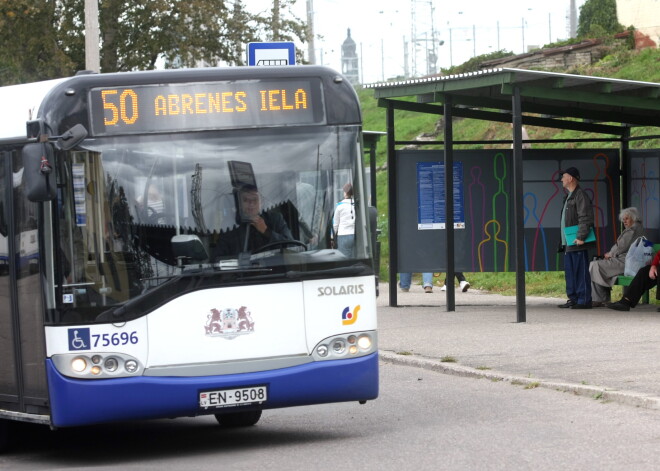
{"x": 630, "y": 398}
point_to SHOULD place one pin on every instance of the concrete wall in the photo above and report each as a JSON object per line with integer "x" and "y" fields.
{"x": 549, "y": 59}
{"x": 643, "y": 14}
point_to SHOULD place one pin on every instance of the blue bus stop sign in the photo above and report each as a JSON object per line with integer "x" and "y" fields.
{"x": 275, "y": 53}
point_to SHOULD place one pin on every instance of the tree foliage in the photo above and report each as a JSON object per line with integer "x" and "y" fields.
{"x": 44, "y": 39}
{"x": 598, "y": 18}
{"x": 29, "y": 45}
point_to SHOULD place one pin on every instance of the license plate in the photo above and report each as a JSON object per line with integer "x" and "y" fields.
{"x": 233, "y": 397}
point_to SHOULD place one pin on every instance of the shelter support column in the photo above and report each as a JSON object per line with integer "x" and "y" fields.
{"x": 449, "y": 202}
{"x": 391, "y": 190}
{"x": 518, "y": 207}
{"x": 623, "y": 169}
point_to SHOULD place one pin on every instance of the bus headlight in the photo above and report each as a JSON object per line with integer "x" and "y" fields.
{"x": 78, "y": 364}
{"x": 111, "y": 364}
{"x": 338, "y": 346}
{"x": 131, "y": 366}
{"x": 364, "y": 342}
{"x": 98, "y": 365}
{"x": 352, "y": 345}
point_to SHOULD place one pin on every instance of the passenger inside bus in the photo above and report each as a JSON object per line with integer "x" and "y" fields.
{"x": 256, "y": 227}
{"x": 154, "y": 209}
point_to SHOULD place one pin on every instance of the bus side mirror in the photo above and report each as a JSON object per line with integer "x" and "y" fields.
{"x": 38, "y": 172}
{"x": 72, "y": 137}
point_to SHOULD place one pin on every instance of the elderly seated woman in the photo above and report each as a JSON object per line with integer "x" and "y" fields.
{"x": 604, "y": 272}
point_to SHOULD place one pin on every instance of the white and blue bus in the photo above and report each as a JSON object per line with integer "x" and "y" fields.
{"x": 134, "y": 282}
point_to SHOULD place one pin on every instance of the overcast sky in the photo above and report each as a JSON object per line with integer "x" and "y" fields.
{"x": 380, "y": 29}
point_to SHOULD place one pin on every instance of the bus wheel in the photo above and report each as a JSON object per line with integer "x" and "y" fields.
{"x": 5, "y": 434}
{"x": 238, "y": 419}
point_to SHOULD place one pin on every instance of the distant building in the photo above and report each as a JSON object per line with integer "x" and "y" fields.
{"x": 642, "y": 14}
{"x": 349, "y": 60}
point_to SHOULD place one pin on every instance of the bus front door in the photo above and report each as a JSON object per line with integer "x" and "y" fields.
{"x": 22, "y": 347}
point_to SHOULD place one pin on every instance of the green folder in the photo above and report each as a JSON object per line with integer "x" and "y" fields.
{"x": 571, "y": 233}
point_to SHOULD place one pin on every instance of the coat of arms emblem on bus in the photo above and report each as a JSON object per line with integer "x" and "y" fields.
{"x": 229, "y": 323}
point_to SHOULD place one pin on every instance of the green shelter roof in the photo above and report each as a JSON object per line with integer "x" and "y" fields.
{"x": 547, "y": 98}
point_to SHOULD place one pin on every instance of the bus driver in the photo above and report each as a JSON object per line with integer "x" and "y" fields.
{"x": 256, "y": 227}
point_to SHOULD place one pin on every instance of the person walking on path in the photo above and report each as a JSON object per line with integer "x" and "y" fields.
{"x": 605, "y": 271}
{"x": 463, "y": 284}
{"x": 645, "y": 279}
{"x": 576, "y": 211}
{"x": 405, "y": 280}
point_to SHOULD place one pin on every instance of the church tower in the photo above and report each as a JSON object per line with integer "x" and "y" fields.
{"x": 349, "y": 60}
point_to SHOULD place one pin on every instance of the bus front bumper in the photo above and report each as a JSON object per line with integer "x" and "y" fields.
{"x": 81, "y": 402}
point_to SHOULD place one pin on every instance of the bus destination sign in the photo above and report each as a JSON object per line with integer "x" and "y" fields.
{"x": 203, "y": 106}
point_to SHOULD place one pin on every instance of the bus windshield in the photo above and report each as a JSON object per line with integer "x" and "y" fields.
{"x": 252, "y": 212}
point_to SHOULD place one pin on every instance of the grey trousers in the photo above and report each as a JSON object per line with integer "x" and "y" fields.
{"x": 600, "y": 293}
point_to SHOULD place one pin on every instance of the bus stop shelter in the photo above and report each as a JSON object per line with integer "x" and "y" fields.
{"x": 605, "y": 107}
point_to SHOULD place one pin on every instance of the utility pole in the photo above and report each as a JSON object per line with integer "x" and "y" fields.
{"x": 406, "y": 58}
{"x": 572, "y": 20}
{"x": 92, "y": 35}
{"x": 275, "y": 26}
{"x": 413, "y": 37}
{"x": 361, "y": 64}
{"x": 432, "y": 54}
{"x": 310, "y": 32}
{"x": 420, "y": 40}
{"x": 382, "y": 59}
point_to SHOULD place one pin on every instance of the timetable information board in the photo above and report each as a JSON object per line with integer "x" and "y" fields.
{"x": 431, "y": 201}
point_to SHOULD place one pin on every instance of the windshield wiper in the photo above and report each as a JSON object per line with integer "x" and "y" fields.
{"x": 352, "y": 270}
{"x": 210, "y": 270}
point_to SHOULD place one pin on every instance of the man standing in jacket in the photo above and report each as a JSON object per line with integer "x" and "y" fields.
{"x": 577, "y": 211}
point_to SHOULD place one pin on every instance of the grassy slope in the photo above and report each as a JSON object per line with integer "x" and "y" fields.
{"x": 623, "y": 64}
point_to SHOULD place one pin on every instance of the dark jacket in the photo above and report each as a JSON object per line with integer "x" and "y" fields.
{"x": 579, "y": 212}
{"x": 233, "y": 242}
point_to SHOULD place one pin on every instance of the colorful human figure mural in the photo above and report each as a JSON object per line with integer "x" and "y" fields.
{"x": 484, "y": 242}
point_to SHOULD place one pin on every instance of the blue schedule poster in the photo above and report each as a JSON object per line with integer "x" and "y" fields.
{"x": 431, "y": 201}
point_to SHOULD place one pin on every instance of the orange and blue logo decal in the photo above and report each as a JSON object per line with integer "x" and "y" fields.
{"x": 347, "y": 317}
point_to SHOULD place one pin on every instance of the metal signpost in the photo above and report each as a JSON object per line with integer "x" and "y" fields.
{"x": 274, "y": 53}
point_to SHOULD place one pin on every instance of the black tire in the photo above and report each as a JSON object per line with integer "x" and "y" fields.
{"x": 5, "y": 435}
{"x": 238, "y": 419}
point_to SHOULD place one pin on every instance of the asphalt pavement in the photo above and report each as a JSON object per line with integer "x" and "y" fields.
{"x": 600, "y": 353}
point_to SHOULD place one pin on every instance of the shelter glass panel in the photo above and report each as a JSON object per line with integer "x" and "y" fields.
{"x": 484, "y": 218}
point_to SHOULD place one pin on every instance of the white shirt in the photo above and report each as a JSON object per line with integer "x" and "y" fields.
{"x": 344, "y": 218}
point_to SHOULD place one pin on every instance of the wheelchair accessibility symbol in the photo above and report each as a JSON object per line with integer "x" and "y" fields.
{"x": 79, "y": 339}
